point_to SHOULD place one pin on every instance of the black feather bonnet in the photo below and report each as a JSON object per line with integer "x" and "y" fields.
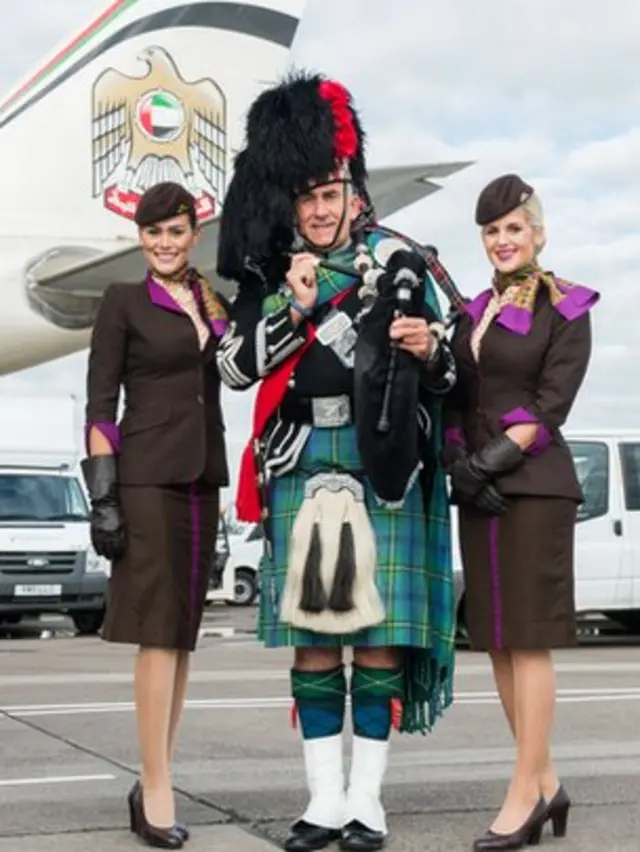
{"x": 303, "y": 131}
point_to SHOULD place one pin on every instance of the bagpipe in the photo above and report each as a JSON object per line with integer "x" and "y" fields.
{"x": 389, "y": 388}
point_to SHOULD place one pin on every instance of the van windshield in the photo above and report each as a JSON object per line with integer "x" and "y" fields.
{"x": 42, "y": 497}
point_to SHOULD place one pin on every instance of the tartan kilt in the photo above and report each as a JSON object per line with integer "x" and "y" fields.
{"x": 402, "y": 550}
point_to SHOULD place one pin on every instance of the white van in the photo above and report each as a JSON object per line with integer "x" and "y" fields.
{"x": 47, "y": 563}
{"x": 607, "y": 542}
{"x": 235, "y": 575}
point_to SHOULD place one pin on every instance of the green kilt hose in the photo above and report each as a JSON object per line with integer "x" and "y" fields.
{"x": 413, "y": 576}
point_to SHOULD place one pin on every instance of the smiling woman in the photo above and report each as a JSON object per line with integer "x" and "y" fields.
{"x": 522, "y": 351}
{"x": 154, "y": 479}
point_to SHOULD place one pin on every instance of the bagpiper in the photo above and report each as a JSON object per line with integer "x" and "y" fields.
{"x": 337, "y": 321}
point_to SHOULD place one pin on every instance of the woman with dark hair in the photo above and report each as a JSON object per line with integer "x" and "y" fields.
{"x": 522, "y": 352}
{"x": 154, "y": 479}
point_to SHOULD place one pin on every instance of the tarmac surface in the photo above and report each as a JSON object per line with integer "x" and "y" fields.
{"x": 69, "y": 753}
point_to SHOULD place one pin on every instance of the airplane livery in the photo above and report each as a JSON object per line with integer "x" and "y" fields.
{"x": 151, "y": 90}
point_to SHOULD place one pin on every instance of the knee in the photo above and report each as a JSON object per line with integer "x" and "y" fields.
{"x": 378, "y": 658}
{"x": 317, "y": 659}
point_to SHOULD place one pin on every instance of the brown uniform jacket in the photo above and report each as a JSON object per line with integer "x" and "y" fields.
{"x": 172, "y": 430}
{"x": 519, "y": 378}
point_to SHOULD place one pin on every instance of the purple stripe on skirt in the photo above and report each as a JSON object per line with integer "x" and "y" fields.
{"x": 195, "y": 549}
{"x": 495, "y": 582}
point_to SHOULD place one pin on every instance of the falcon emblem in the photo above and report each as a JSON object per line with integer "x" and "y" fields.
{"x": 154, "y": 128}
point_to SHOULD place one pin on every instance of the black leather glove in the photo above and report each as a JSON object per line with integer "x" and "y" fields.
{"x": 451, "y": 453}
{"x": 490, "y": 501}
{"x": 107, "y": 525}
{"x": 470, "y": 476}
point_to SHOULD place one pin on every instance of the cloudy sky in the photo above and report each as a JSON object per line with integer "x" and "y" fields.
{"x": 549, "y": 89}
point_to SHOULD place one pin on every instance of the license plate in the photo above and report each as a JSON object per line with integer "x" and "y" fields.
{"x": 37, "y": 591}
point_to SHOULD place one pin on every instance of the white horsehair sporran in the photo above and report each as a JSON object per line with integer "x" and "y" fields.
{"x": 330, "y": 586}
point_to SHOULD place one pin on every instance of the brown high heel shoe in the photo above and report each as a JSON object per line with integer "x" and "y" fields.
{"x": 161, "y": 838}
{"x": 529, "y": 832}
{"x": 558, "y": 811}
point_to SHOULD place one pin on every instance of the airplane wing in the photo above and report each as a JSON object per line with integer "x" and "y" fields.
{"x": 66, "y": 284}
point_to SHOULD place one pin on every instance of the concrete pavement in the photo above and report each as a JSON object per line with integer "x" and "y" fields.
{"x": 69, "y": 755}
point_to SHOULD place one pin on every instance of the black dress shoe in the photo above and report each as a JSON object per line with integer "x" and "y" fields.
{"x": 529, "y": 832}
{"x": 305, "y": 837}
{"x": 358, "y": 838}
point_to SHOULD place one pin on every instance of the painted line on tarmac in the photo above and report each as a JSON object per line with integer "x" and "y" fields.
{"x": 55, "y": 779}
{"x": 564, "y": 696}
{"x": 238, "y": 674}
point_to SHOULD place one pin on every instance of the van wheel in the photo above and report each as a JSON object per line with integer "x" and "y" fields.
{"x": 245, "y": 587}
{"x": 88, "y": 623}
{"x": 628, "y": 619}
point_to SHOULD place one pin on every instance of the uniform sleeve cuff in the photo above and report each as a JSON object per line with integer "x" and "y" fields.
{"x": 521, "y": 415}
{"x": 109, "y": 429}
{"x": 276, "y": 338}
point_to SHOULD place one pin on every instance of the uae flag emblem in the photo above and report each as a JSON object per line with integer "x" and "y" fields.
{"x": 161, "y": 116}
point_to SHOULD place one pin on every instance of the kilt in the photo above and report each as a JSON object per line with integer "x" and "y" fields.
{"x": 157, "y": 591}
{"x": 518, "y": 575}
{"x": 401, "y": 541}
{"x": 413, "y": 577}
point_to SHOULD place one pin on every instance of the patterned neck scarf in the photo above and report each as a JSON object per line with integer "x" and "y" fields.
{"x": 520, "y": 288}
{"x": 213, "y": 308}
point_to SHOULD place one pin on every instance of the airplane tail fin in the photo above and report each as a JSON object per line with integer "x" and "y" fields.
{"x": 150, "y": 90}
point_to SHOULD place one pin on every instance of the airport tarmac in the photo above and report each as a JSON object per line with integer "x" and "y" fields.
{"x": 69, "y": 750}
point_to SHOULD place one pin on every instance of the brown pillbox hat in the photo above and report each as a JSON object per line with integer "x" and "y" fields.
{"x": 500, "y": 197}
{"x": 163, "y": 201}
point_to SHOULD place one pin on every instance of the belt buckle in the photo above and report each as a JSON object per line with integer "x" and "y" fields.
{"x": 330, "y": 412}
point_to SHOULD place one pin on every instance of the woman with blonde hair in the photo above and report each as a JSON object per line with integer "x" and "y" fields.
{"x": 522, "y": 351}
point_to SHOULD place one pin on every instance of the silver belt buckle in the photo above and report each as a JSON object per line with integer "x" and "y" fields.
{"x": 331, "y": 412}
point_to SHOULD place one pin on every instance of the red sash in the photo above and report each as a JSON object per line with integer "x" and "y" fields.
{"x": 270, "y": 394}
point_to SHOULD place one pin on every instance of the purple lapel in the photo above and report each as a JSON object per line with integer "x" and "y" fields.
{"x": 162, "y": 299}
{"x": 510, "y": 317}
{"x": 578, "y": 300}
{"x": 476, "y": 307}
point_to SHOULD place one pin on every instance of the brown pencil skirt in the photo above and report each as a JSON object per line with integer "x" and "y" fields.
{"x": 518, "y": 574}
{"x": 157, "y": 591}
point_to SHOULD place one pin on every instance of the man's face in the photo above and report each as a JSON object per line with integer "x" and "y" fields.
{"x": 319, "y": 211}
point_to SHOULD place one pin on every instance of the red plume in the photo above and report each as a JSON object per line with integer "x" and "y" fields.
{"x": 345, "y": 138}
